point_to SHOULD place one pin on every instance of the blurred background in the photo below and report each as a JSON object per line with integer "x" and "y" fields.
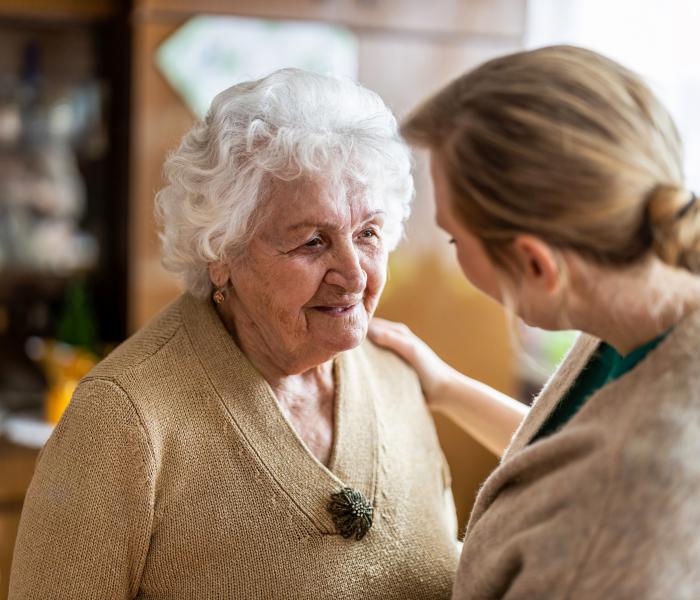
{"x": 93, "y": 93}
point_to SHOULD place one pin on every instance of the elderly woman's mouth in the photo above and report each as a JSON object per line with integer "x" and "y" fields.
{"x": 337, "y": 311}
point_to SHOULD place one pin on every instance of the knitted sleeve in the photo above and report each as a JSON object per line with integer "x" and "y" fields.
{"x": 88, "y": 513}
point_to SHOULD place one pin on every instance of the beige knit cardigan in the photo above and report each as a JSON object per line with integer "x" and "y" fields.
{"x": 174, "y": 475}
{"x": 608, "y": 507}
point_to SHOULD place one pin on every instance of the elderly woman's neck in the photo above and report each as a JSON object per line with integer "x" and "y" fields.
{"x": 284, "y": 371}
{"x": 297, "y": 376}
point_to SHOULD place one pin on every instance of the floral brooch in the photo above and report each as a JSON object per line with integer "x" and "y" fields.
{"x": 352, "y": 513}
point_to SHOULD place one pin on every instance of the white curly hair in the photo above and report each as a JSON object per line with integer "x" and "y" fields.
{"x": 290, "y": 124}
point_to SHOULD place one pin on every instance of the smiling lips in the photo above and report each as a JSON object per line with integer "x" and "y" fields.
{"x": 336, "y": 311}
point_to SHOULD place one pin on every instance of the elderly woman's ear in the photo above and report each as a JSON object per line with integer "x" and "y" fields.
{"x": 219, "y": 273}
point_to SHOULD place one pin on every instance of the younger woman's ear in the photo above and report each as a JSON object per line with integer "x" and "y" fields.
{"x": 537, "y": 262}
{"x": 218, "y": 273}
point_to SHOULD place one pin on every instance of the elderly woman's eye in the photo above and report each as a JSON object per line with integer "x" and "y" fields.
{"x": 313, "y": 243}
{"x": 368, "y": 233}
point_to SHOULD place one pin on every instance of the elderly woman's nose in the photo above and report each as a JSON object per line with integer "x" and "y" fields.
{"x": 346, "y": 270}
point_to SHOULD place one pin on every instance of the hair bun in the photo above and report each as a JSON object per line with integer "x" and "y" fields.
{"x": 675, "y": 228}
{"x": 665, "y": 202}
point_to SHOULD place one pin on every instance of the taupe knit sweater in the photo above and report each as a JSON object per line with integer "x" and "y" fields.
{"x": 608, "y": 507}
{"x": 174, "y": 475}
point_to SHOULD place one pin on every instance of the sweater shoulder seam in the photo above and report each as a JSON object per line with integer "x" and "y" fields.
{"x": 114, "y": 375}
{"x": 139, "y": 417}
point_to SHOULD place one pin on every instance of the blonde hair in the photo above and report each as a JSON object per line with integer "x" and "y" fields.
{"x": 567, "y": 145}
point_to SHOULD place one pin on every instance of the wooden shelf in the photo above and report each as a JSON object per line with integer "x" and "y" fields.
{"x": 45, "y": 283}
{"x": 68, "y": 10}
{"x": 500, "y": 18}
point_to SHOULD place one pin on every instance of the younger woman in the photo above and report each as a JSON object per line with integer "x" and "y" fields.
{"x": 559, "y": 176}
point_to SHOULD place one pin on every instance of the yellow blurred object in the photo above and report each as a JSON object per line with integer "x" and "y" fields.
{"x": 57, "y": 399}
{"x": 65, "y": 366}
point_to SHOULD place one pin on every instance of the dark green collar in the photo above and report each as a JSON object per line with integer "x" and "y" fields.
{"x": 619, "y": 365}
{"x": 604, "y": 366}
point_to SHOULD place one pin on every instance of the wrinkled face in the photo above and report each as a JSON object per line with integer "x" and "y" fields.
{"x": 310, "y": 279}
{"x": 473, "y": 259}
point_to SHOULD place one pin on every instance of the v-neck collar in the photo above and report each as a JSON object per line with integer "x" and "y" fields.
{"x": 252, "y": 406}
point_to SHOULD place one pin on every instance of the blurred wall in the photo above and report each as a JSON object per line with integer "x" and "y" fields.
{"x": 407, "y": 49}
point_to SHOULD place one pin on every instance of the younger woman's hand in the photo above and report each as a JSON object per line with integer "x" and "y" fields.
{"x": 432, "y": 370}
{"x": 489, "y": 416}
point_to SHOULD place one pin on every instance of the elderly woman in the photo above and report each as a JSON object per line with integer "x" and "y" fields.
{"x": 248, "y": 442}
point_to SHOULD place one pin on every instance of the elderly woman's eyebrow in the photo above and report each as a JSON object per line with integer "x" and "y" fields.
{"x": 327, "y": 225}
